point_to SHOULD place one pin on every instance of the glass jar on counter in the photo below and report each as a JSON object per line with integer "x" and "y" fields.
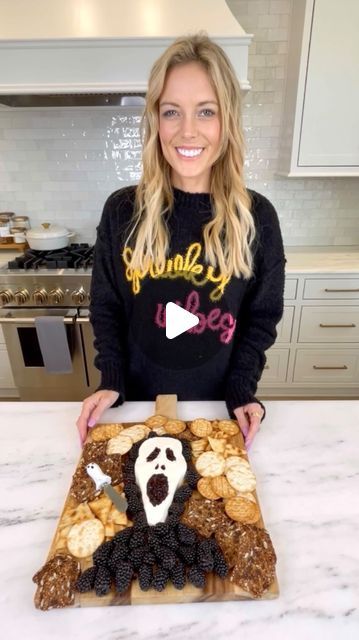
{"x": 5, "y": 233}
{"x": 18, "y": 234}
{"x": 20, "y": 221}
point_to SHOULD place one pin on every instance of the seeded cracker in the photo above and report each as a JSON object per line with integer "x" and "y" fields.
{"x": 56, "y": 583}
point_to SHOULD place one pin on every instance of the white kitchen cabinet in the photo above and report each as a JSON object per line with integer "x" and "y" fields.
{"x": 7, "y": 384}
{"x": 320, "y": 124}
{"x": 317, "y": 350}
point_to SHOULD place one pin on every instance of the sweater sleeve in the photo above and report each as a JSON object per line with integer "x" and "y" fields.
{"x": 107, "y": 308}
{"x": 261, "y": 309}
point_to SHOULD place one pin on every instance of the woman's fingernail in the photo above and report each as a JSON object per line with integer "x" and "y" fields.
{"x": 91, "y": 423}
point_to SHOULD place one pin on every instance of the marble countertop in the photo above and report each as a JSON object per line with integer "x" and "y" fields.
{"x": 306, "y": 462}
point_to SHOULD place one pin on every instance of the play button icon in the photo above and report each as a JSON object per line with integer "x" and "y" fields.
{"x": 178, "y": 320}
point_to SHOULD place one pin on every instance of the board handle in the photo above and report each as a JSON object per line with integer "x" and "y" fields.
{"x": 166, "y": 405}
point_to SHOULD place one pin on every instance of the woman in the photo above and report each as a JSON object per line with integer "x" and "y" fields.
{"x": 192, "y": 234}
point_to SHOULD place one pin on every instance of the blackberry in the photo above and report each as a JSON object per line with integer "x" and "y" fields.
{"x": 160, "y": 529}
{"x": 137, "y": 539}
{"x": 124, "y": 575}
{"x": 86, "y": 580}
{"x": 145, "y": 577}
{"x": 205, "y": 561}
{"x": 188, "y": 554}
{"x": 220, "y": 565}
{"x": 119, "y": 553}
{"x": 160, "y": 579}
{"x": 182, "y": 493}
{"x": 197, "y": 577}
{"x": 192, "y": 477}
{"x": 133, "y": 453}
{"x": 149, "y": 557}
{"x": 102, "y": 581}
{"x": 167, "y": 558}
{"x": 132, "y": 491}
{"x": 186, "y": 451}
{"x": 171, "y": 541}
{"x": 141, "y": 520}
{"x": 134, "y": 504}
{"x": 102, "y": 553}
{"x": 186, "y": 534}
{"x": 123, "y": 536}
{"x": 178, "y": 575}
{"x": 136, "y": 557}
{"x": 176, "y": 509}
{"x": 173, "y": 519}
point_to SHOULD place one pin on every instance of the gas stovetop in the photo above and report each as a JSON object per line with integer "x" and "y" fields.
{"x": 75, "y": 256}
{"x": 48, "y": 278}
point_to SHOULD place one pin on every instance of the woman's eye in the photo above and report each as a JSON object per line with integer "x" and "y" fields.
{"x": 170, "y": 113}
{"x": 207, "y": 113}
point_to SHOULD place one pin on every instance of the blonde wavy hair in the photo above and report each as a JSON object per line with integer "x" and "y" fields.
{"x": 228, "y": 236}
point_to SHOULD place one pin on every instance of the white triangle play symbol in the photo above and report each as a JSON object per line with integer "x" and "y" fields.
{"x": 178, "y": 320}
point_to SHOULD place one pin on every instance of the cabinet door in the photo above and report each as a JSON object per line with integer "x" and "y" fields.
{"x": 6, "y": 378}
{"x": 329, "y": 132}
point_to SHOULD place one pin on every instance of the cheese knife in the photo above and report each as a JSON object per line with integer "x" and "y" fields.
{"x": 102, "y": 481}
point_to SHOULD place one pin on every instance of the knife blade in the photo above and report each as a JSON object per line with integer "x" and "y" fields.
{"x": 103, "y": 481}
{"x": 119, "y": 501}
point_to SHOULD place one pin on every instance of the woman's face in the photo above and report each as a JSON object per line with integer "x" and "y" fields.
{"x": 189, "y": 126}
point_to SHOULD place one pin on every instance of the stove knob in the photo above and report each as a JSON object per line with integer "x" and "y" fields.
{"x": 39, "y": 296}
{"x": 21, "y": 296}
{"x": 6, "y": 296}
{"x": 56, "y": 296}
{"x": 79, "y": 296}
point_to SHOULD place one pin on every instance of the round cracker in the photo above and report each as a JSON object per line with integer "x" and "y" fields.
{"x": 241, "y": 479}
{"x": 174, "y": 426}
{"x": 205, "y": 488}
{"x": 228, "y": 426}
{"x": 242, "y": 510}
{"x": 201, "y": 427}
{"x": 156, "y": 421}
{"x": 221, "y": 486}
{"x": 105, "y": 431}
{"x": 237, "y": 461}
{"x": 210, "y": 464}
{"x": 84, "y": 538}
{"x": 120, "y": 444}
{"x": 136, "y": 432}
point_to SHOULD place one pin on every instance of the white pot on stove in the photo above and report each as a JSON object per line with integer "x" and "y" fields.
{"x": 48, "y": 236}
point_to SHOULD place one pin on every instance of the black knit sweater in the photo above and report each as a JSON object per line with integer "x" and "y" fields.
{"x": 222, "y": 358}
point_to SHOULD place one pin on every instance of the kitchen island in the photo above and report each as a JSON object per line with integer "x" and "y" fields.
{"x": 306, "y": 462}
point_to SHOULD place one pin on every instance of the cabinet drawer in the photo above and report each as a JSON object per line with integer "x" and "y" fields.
{"x": 284, "y": 327}
{"x": 331, "y": 289}
{"x": 328, "y": 365}
{"x": 6, "y": 379}
{"x": 329, "y": 324}
{"x": 290, "y": 288}
{"x": 276, "y": 366}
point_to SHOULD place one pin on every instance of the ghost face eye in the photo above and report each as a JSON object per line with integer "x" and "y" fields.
{"x": 153, "y": 455}
{"x": 170, "y": 455}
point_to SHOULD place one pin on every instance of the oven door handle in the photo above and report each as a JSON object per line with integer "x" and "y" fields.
{"x": 82, "y": 320}
{"x": 23, "y": 320}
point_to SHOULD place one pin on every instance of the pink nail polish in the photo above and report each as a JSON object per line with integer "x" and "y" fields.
{"x": 91, "y": 423}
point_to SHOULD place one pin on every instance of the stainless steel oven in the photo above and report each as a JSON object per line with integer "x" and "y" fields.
{"x": 37, "y": 285}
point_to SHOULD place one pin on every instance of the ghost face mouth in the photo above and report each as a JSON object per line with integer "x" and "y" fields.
{"x": 157, "y": 488}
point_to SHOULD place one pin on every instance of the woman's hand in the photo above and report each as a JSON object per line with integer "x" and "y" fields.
{"x": 93, "y": 408}
{"x": 249, "y": 418}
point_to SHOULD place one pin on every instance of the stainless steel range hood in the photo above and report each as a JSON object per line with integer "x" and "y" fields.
{"x": 100, "y": 52}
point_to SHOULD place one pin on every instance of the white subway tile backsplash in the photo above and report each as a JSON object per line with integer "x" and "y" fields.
{"x": 61, "y": 164}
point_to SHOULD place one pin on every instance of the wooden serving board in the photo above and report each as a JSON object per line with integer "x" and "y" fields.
{"x": 216, "y": 589}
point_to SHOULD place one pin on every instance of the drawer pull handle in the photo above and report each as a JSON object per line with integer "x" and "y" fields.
{"x": 341, "y": 290}
{"x": 339, "y": 326}
{"x": 343, "y": 367}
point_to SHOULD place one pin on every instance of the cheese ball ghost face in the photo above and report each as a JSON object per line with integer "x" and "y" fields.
{"x": 159, "y": 469}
